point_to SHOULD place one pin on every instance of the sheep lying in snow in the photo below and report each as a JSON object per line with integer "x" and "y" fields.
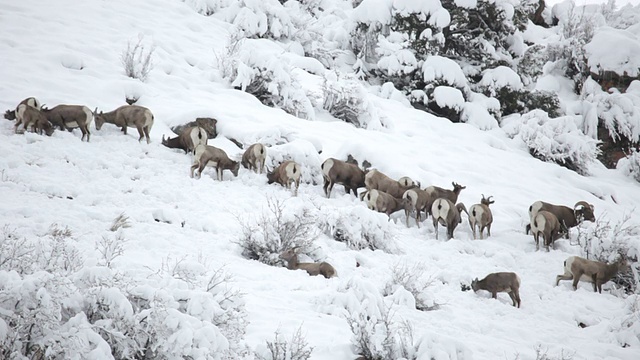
{"x": 188, "y": 140}
{"x": 324, "y": 268}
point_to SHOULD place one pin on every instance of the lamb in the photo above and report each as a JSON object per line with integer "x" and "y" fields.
{"x": 68, "y": 117}
{"x": 325, "y": 269}
{"x": 336, "y": 171}
{"x": 12, "y": 114}
{"x": 285, "y": 174}
{"x": 480, "y": 216}
{"x": 494, "y": 283}
{"x": 447, "y": 214}
{"x": 382, "y": 202}
{"x": 415, "y": 200}
{"x": 546, "y": 224}
{"x": 188, "y": 140}
{"x": 34, "y": 118}
{"x": 254, "y": 157}
{"x": 128, "y": 116}
{"x": 436, "y": 192}
{"x": 210, "y": 155}
{"x": 596, "y": 272}
{"x": 374, "y": 179}
{"x": 568, "y": 217}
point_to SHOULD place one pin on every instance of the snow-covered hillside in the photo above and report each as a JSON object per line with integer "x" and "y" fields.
{"x": 183, "y": 232}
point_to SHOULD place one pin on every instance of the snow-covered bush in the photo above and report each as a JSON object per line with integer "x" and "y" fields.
{"x": 303, "y": 152}
{"x": 277, "y": 229}
{"x": 557, "y": 140}
{"x": 267, "y": 19}
{"x": 412, "y": 278}
{"x": 137, "y": 59}
{"x": 346, "y": 99}
{"x": 530, "y": 65}
{"x": 280, "y": 349}
{"x": 447, "y": 102}
{"x": 205, "y": 7}
{"x": 258, "y": 67}
{"x": 576, "y": 29}
{"x": 358, "y": 227}
{"x": 631, "y": 165}
{"x": 54, "y": 306}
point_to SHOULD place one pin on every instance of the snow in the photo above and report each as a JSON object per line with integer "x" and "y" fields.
{"x": 61, "y": 180}
{"x": 501, "y": 77}
{"x": 614, "y": 50}
{"x": 438, "y": 68}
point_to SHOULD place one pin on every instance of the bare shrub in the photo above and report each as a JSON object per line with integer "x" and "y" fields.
{"x": 275, "y": 231}
{"x": 59, "y": 253}
{"x": 382, "y": 338}
{"x": 227, "y": 60}
{"x": 110, "y": 248}
{"x": 542, "y": 353}
{"x": 295, "y": 349}
{"x": 16, "y": 252}
{"x": 137, "y": 60}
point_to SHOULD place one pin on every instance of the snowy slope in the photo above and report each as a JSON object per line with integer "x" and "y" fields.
{"x": 69, "y": 52}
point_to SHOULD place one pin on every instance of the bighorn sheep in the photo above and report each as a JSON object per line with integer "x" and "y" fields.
{"x": 415, "y": 200}
{"x": 436, "y": 192}
{"x": 596, "y": 272}
{"x": 128, "y": 116}
{"x": 188, "y": 140}
{"x": 546, "y": 224}
{"x": 324, "y": 268}
{"x": 500, "y": 282}
{"x": 480, "y": 216}
{"x": 34, "y": 118}
{"x": 285, "y": 174}
{"x": 209, "y": 155}
{"x": 13, "y": 115}
{"x": 382, "y": 202}
{"x": 447, "y": 214}
{"x": 568, "y": 217}
{"x": 254, "y": 157}
{"x": 374, "y": 179}
{"x": 68, "y": 117}
{"x": 336, "y": 171}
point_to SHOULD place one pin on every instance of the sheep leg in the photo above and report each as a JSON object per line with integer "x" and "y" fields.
{"x": 435, "y": 227}
{"x": 565, "y": 276}
{"x": 326, "y": 188}
{"x": 576, "y": 279}
{"x": 596, "y": 283}
{"x": 418, "y": 218}
{"x": 488, "y": 230}
{"x": 194, "y": 166}
{"x": 141, "y": 132}
{"x": 406, "y": 216}
{"x": 536, "y": 237}
{"x": 515, "y": 297}
{"x": 494, "y": 294}
{"x": 297, "y": 186}
{"x": 146, "y": 133}
{"x": 449, "y": 232}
